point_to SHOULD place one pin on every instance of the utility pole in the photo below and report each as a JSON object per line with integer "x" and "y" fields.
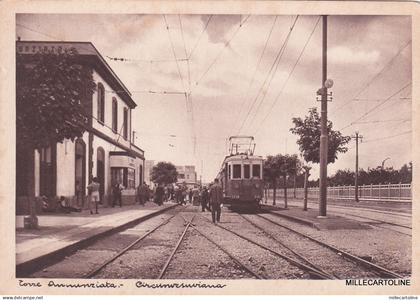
{"x": 356, "y": 173}
{"x": 323, "y": 149}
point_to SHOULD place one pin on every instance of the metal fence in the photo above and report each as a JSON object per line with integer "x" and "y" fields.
{"x": 381, "y": 192}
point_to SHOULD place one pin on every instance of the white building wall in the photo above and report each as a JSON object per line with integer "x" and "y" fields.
{"x": 106, "y": 128}
{"x": 65, "y": 168}
{"x": 66, "y": 155}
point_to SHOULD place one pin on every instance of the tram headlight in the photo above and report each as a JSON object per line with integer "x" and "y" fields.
{"x": 236, "y": 185}
{"x": 257, "y": 185}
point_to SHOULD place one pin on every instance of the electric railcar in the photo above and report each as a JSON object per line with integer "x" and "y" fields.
{"x": 241, "y": 174}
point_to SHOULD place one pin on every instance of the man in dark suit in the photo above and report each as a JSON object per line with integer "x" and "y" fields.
{"x": 216, "y": 198}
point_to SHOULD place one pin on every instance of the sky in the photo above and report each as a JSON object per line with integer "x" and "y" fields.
{"x": 227, "y": 66}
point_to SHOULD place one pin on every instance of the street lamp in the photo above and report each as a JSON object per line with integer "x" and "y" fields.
{"x": 383, "y": 162}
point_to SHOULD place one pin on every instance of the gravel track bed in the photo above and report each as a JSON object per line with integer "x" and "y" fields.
{"x": 257, "y": 259}
{"x": 320, "y": 256}
{"x": 197, "y": 258}
{"x": 386, "y": 248}
{"x": 85, "y": 260}
{"x": 147, "y": 258}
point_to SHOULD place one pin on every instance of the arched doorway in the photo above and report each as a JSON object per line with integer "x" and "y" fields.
{"x": 100, "y": 172}
{"x": 80, "y": 172}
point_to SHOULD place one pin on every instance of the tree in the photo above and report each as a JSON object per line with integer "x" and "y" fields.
{"x": 272, "y": 173}
{"x": 53, "y": 92}
{"x": 164, "y": 172}
{"x": 280, "y": 166}
{"x": 406, "y": 173}
{"x": 309, "y": 132}
{"x": 288, "y": 164}
{"x": 342, "y": 177}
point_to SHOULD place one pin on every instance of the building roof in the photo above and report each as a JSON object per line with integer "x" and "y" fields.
{"x": 84, "y": 49}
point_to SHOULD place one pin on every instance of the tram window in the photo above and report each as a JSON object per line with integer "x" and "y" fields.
{"x": 247, "y": 171}
{"x": 256, "y": 171}
{"x": 236, "y": 171}
{"x": 229, "y": 176}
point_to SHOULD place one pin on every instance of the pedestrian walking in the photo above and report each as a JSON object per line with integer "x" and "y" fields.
{"x": 147, "y": 192}
{"x": 196, "y": 197}
{"x": 116, "y": 193}
{"x": 204, "y": 199}
{"x": 159, "y": 194}
{"x": 93, "y": 192}
{"x": 184, "y": 195}
{"x": 190, "y": 195}
{"x": 141, "y": 193}
{"x": 216, "y": 198}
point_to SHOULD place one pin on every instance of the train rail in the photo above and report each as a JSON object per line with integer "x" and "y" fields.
{"x": 314, "y": 272}
{"x": 187, "y": 224}
{"x": 230, "y": 255}
{"x": 367, "y": 264}
{"x": 301, "y": 257}
{"x": 127, "y": 248}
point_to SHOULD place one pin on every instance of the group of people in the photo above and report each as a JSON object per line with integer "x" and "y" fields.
{"x": 210, "y": 198}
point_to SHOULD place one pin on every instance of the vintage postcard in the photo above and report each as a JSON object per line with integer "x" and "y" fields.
{"x": 209, "y": 147}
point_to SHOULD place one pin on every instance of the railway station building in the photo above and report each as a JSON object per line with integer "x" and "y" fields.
{"x": 106, "y": 150}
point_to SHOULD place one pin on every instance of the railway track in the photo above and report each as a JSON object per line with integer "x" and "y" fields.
{"x": 378, "y": 222}
{"x": 379, "y": 270}
{"x": 188, "y": 226}
{"x": 230, "y": 255}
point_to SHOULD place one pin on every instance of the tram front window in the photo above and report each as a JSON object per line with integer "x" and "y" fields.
{"x": 236, "y": 172}
{"x": 256, "y": 171}
{"x": 247, "y": 171}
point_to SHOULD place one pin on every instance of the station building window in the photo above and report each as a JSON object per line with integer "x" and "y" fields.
{"x": 114, "y": 115}
{"x": 101, "y": 103}
{"x": 125, "y": 120}
{"x": 125, "y": 176}
{"x": 237, "y": 171}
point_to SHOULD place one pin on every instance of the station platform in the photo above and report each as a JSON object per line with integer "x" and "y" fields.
{"x": 61, "y": 234}
{"x": 311, "y": 218}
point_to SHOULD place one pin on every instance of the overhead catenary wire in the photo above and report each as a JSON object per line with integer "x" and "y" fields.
{"x": 376, "y": 76}
{"x": 147, "y": 92}
{"x": 376, "y": 106}
{"x": 264, "y": 95}
{"x": 382, "y": 121}
{"x": 190, "y": 106}
{"x": 144, "y": 60}
{"x": 274, "y": 67}
{"x": 199, "y": 38}
{"x": 256, "y": 69}
{"x": 173, "y": 51}
{"x": 289, "y": 76}
{"x": 388, "y": 137}
{"x": 221, "y": 51}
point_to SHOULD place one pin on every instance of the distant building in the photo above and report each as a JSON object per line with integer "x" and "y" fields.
{"x": 106, "y": 150}
{"x": 187, "y": 175}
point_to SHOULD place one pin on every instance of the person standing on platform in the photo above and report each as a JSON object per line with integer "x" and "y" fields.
{"x": 216, "y": 198}
{"x": 159, "y": 194}
{"x": 93, "y": 191}
{"x": 116, "y": 192}
{"x": 204, "y": 199}
{"x": 142, "y": 193}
